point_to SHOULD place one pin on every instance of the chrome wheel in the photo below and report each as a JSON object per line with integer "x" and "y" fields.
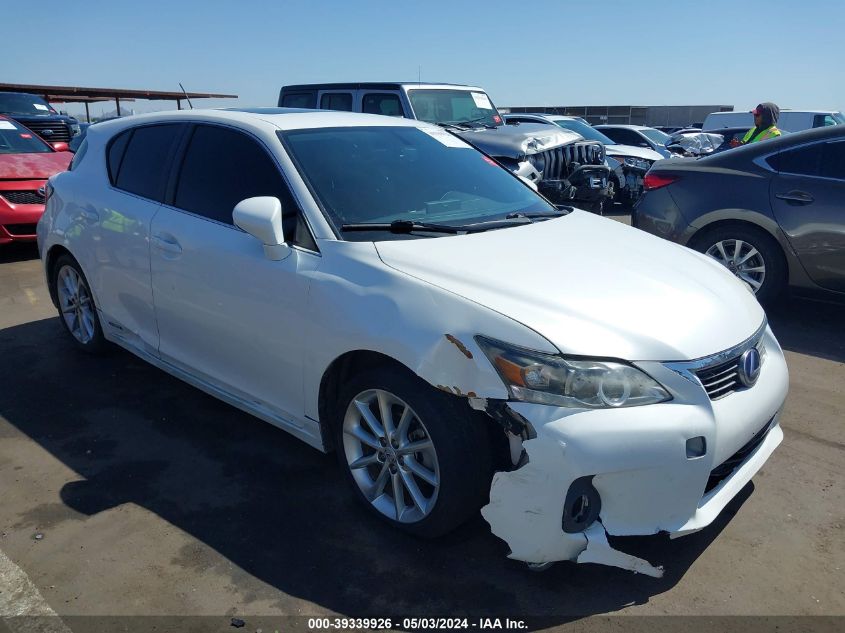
{"x": 742, "y": 259}
{"x": 76, "y": 304}
{"x": 391, "y": 456}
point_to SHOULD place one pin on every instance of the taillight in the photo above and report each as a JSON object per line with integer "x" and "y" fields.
{"x": 656, "y": 181}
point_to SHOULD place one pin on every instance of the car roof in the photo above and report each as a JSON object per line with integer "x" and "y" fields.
{"x": 786, "y": 141}
{"x": 381, "y": 85}
{"x": 626, "y": 126}
{"x": 271, "y": 119}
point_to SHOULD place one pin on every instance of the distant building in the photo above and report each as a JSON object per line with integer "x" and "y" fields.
{"x": 672, "y": 116}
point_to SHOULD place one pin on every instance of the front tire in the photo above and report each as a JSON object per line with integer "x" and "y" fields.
{"x": 418, "y": 458}
{"x": 77, "y": 310}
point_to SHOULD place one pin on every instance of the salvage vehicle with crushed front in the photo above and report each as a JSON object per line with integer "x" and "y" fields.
{"x": 379, "y": 288}
{"x": 628, "y": 164}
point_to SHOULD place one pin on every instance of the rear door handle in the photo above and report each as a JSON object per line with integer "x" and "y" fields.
{"x": 798, "y": 197}
{"x": 167, "y": 244}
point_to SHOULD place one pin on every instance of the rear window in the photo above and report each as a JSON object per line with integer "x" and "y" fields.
{"x": 819, "y": 159}
{"x": 144, "y": 168}
{"x": 16, "y": 139}
{"x": 336, "y": 101}
{"x": 298, "y": 100}
{"x": 114, "y": 154}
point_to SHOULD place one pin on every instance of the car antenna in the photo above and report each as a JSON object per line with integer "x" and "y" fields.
{"x": 186, "y": 95}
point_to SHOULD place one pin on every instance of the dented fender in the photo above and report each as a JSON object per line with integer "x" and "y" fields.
{"x": 356, "y": 302}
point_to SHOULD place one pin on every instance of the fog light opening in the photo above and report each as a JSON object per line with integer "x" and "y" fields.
{"x": 696, "y": 447}
{"x": 582, "y": 505}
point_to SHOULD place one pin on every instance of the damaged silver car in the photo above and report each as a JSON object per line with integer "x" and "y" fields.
{"x": 379, "y": 288}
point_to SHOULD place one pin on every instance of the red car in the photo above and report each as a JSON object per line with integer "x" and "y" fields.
{"x": 26, "y": 162}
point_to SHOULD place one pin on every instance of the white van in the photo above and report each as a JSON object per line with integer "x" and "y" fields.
{"x": 789, "y": 120}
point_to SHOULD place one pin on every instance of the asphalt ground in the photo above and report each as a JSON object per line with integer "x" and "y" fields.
{"x": 125, "y": 492}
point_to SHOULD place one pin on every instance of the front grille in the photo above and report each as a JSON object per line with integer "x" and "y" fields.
{"x": 723, "y": 470}
{"x": 721, "y": 380}
{"x": 20, "y": 229}
{"x": 61, "y": 132}
{"x": 555, "y": 164}
{"x": 23, "y": 197}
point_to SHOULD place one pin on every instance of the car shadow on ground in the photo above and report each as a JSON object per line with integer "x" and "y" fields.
{"x": 810, "y": 326}
{"x": 274, "y": 507}
{"x": 18, "y": 252}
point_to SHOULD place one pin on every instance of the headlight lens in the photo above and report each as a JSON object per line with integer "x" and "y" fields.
{"x": 74, "y": 129}
{"x": 581, "y": 383}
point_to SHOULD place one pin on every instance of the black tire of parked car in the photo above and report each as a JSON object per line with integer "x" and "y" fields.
{"x": 97, "y": 344}
{"x": 461, "y": 440}
{"x": 774, "y": 281}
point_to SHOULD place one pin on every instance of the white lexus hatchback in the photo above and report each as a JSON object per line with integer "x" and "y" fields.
{"x": 377, "y": 287}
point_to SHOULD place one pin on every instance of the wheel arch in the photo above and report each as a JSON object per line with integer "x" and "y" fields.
{"x": 754, "y": 222}
{"x": 52, "y": 256}
{"x": 361, "y": 360}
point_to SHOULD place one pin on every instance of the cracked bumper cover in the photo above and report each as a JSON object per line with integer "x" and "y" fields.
{"x": 638, "y": 462}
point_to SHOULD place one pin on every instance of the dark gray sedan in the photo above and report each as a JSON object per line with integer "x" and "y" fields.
{"x": 772, "y": 212}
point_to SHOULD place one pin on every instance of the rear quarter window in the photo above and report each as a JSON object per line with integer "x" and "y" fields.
{"x": 144, "y": 168}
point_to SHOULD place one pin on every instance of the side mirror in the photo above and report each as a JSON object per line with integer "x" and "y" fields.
{"x": 61, "y": 147}
{"x": 261, "y": 217}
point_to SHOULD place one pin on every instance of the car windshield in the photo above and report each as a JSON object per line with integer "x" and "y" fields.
{"x": 839, "y": 118}
{"x": 384, "y": 174}
{"x": 587, "y": 131}
{"x": 453, "y": 106}
{"x": 16, "y": 139}
{"x": 655, "y": 135}
{"x": 14, "y": 103}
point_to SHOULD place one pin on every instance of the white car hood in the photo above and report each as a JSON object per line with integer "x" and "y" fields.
{"x": 591, "y": 286}
{"x": 632, "y": 151}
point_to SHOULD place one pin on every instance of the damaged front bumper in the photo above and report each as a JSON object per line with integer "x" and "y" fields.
{"x": 652, "y": 467}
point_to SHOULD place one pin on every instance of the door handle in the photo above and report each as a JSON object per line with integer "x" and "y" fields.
{"x": 798, "y": 197}
{"x": 167, "y": 245}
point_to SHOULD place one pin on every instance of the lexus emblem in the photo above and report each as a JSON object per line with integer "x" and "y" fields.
{"x": 749, "y": 367}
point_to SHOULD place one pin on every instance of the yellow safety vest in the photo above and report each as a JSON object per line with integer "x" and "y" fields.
{"x": 769, "y": 132}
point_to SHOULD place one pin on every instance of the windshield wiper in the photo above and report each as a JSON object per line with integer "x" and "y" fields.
{"x": 401, "y": 226}
{"x": 472, "y": 124}
{"x": 410, "y": 226}
{"x": 562, "y": 210}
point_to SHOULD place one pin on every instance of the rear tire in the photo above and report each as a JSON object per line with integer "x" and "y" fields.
{"x": 750, "y": 253}
{"x": 442, "y": 483}
{"x": 77, "y": 310}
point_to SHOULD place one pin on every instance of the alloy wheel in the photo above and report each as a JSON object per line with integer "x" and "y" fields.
{"x": 742, "y": 259}
{"x": 76, "y": 304}
{"x": 391, "y": 456}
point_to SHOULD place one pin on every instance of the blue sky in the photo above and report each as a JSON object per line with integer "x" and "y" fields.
{"x": 612, "y": 52}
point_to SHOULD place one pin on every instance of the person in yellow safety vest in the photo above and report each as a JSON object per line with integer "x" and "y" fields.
{"x": 765, "y": 117}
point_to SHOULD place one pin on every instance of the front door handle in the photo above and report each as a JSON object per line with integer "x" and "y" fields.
{"x": 167, "y": 244}
{"x": 795, "y": 196}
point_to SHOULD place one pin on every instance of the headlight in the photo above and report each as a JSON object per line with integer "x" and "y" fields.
{"x": 74, "y": 129}
{"x": 532, "y": 376}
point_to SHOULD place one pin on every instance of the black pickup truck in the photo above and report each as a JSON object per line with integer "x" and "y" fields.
{"x": 39, "y": 116}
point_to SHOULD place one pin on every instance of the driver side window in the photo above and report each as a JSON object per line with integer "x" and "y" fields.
{"x": 221, "y": 167}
